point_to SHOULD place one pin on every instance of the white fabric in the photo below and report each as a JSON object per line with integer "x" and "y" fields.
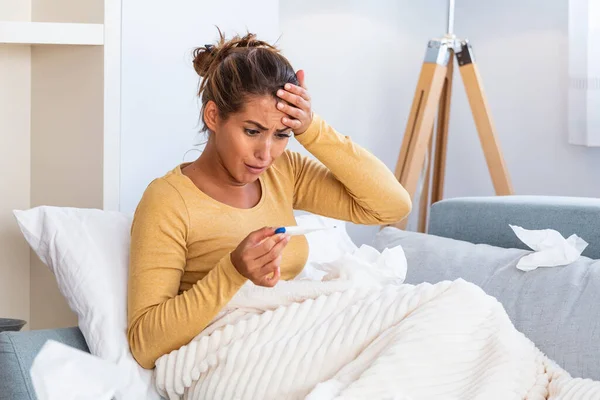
{"x": 362, "y": 334}
{"x": 88, "y": 252}
{"x": 60, "y": 372}
{"x": 550, "y": 248}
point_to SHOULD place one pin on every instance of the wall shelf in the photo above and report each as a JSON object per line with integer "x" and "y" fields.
{"x": 51, "y": 33}
{"x": 60, "y": 86}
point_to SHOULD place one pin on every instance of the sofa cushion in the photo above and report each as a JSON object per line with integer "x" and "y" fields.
{"x": 557, "y": 308}
{"x": 17, "y": 351}
{"x": 486, "y": 219}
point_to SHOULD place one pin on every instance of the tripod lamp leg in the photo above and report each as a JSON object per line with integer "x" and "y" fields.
{"x": 483, "y": 121}
{"x": 419, "y": 126}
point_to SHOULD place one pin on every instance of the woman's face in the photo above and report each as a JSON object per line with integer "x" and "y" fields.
{"x": 248, "y": 142}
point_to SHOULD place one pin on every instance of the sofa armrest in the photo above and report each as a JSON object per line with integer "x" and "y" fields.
{"x": 17, "y": 352}
{"x": 486, "y": 219}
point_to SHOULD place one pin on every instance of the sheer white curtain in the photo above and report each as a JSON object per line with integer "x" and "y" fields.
{"x": 584, "y": 72}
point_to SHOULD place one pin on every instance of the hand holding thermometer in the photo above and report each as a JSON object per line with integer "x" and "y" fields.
{"x": 298, "y": 230}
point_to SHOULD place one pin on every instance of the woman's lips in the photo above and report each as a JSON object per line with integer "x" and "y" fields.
{"x": 254, "y": 169}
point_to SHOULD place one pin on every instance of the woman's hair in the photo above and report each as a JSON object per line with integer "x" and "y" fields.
{"x": 235, "y": 69}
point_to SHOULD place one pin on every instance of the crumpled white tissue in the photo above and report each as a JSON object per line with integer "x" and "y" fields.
{"x": 63, "y": 372}
{"x": 551, "y": 249}
{"x": 390, "y": 265}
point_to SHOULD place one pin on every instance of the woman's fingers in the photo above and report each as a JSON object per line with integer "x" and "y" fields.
{"x": 297, "y": 90}
{"x": 301, "y": 76}
{"x": 296, "y": 97}
{"x": 270, "y": 267}
{"x": 274, "y": 252}
{"x": 271, "y": 278}
{"x": 265, "y": 246}
{"x": 293, "y": 98}
{"x": 292, "y": 123}
{"x": 258, "y": 249}
{"x": 289, "y": 110}
{"x": 260, "y": 235}
{"x": 266, "y": 259}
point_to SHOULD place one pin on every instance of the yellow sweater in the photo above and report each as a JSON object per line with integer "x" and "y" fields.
{"x": 180, "y": 272}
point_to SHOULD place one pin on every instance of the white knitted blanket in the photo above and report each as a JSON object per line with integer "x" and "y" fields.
{"x": 360, "y": 334}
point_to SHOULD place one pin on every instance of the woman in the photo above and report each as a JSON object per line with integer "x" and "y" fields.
{"x": 199, "y": 231}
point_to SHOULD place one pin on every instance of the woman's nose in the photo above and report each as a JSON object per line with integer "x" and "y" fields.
{"x": 263, "y": 151}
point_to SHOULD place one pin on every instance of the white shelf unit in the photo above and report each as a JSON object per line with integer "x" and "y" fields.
{"x": 17, "y": 32}
{"x": 59, "y": 133}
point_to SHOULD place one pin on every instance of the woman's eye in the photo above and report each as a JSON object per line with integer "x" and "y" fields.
{"x": 284, "y": 135}
{"x": 252, "y": 132}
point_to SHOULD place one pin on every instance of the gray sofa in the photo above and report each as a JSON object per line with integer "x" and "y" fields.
{"x": 468, "y": 238}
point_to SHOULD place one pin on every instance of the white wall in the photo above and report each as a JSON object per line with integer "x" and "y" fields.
{"x": 521, "y": 52}
{"x": 362, "y": 62}
{"x": 160, "y": 109}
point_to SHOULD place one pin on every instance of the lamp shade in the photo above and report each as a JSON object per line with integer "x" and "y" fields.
{"x": 584, "y": 72}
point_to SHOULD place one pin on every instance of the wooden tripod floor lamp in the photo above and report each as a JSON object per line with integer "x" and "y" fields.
{"x": 432, "y": 96}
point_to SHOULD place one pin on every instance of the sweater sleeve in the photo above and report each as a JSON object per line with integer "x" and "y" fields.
{"x": 159, "y": 319}
{"x": 347, "y": 182}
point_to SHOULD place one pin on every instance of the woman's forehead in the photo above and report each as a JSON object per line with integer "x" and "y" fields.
{"x": 263, "y": 110}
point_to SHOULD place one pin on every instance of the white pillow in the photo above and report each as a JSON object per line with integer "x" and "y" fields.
{"x": 88, "y": 252}
{"x": 327, "y": 245}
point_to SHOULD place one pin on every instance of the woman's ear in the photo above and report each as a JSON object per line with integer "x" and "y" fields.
{"x": 211, "y": 115}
